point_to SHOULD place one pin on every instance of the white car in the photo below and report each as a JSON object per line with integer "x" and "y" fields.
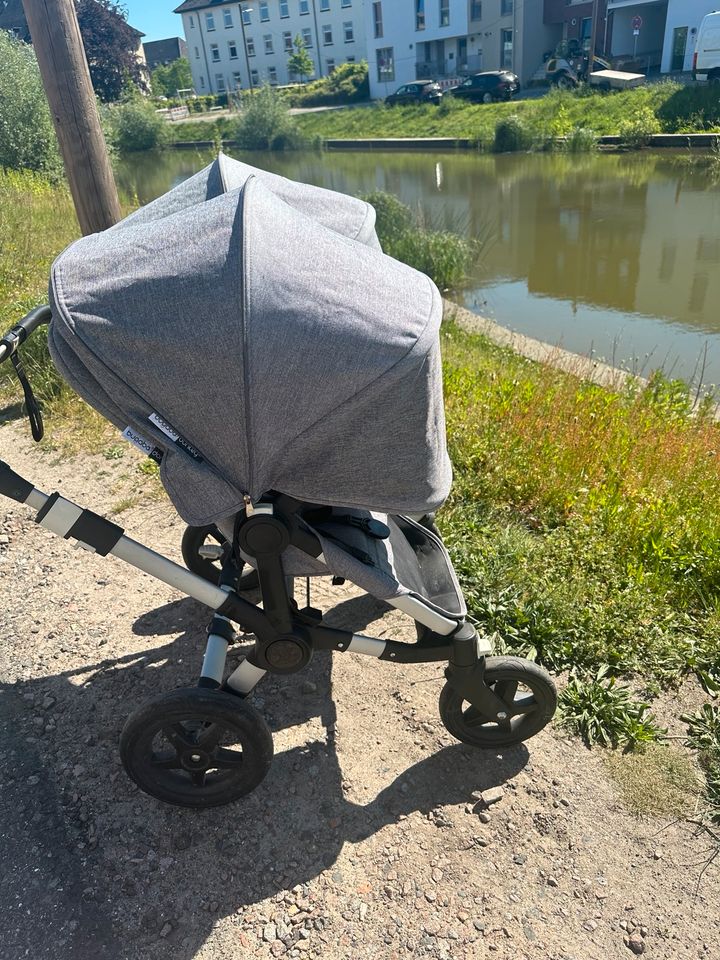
{"x": 706, "y": 63}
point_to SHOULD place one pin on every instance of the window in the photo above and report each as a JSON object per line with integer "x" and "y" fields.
{"x": 419, "y": 14}
{"x": 214, "y": 53}
{"x": 254, "y": 77}
{"x": 232, "y": 49}
{"x": 346, "y": 3}
{"x": 250, "y": 47}
{"x": 210, "y": 21}
{"x": 267, "y": 39}
{"x": 192, "y": 23}
{"x": 264, "y": 13}
{"x": 304, "y": 7}
{"x": 202, "y": 83}
{"x": 237, "y": 79}
{"x": 227, "y": 19}
{"x": 246, "y": 16}
{"x": 476, "y": 9}
{"x": 377, "y": 18}
{"x": 220, "y": 82}
{"x": 197, "y": 53}
{"x": 386, "y": 64}
{"x": 444, "y": 13}
{"x": 350, "y": 60}
{"x": 330, "y": 64}
{"x": 506, "y": 8}
{"x": 287, "y": 41}
{"x": 272, "y": 74}
{"x": 327, "y": 34}
{"x": 324, "y": 6}
{"x": 307, "y": 37}
{"x": 284, "y": 9}
{"x": 506, "y": 49}
{"x": 348, "y": 31}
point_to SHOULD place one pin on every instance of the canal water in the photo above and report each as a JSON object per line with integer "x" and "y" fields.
{"x": 611, "y": 255}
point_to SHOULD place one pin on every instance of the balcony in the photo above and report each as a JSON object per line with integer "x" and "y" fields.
{"x": 437, "y": 69}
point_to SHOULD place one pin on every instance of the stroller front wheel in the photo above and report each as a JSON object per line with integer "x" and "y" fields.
{"x": 528, "y": 692}
{"x": 196, "y": 748}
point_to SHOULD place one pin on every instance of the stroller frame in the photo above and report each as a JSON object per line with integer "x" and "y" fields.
{"x": 286, "y": 636}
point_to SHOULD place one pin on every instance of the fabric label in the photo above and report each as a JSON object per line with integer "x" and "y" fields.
{"x": 149, "y": 449}
{"x": 172, "y": 434}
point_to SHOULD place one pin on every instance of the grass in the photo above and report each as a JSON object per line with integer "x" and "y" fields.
{"x": 660, "y": 781}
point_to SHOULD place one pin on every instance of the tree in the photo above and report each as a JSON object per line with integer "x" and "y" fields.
{"x": 111, "y": 47}
{"x": 300, "y": 62}
{"x": 166, "y": 80}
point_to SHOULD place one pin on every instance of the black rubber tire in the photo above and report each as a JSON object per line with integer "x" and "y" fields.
{"x": 565, "y": 82}
{"x": 465, "y": 723}
{"x": 196, "y": 537}
{"x": 244, "y": 769}
{"x": 487, "y": 98}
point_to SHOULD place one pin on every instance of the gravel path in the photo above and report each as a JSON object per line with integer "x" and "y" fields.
{"x": 365, "y": 840}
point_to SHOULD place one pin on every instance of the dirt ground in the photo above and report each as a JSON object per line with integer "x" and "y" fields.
{"x": 362, "y": 842}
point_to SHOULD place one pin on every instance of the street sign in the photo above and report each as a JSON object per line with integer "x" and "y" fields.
{"x": 637, "y": 23}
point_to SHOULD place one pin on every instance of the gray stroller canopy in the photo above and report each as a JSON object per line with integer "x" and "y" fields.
{"x": 249, "y": 331}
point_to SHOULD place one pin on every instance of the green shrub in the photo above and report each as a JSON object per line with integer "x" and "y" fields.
{"x": 135, "y": 125}
{"x": 636, "y": 131}
{"x": 690, "y": 108}
{"x": 602, "y": 712}
{"x": 265, "y": 122}
{"x": 393, "y": 217}
{"x": 443, "y": 256}
{"x": 27, "y": 138}
{"x": 704, "y": 737}
{"x": 512, "y": 135}
{"x": 348, "y": 83}
{"x": 581, "y": 140}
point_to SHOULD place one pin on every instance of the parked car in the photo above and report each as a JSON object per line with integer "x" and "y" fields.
{"x": 706, "y": 62}
{"x": 425, "y": 91}
{"x": 488, "y": 86}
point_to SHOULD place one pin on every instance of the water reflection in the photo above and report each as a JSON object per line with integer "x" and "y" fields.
{"x": 618, "y": 254}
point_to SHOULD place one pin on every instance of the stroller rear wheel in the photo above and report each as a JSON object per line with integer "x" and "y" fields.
{"x": 196, "y": 748}
{"x": 526, "y": 689}
{"x": 203, "y": 551}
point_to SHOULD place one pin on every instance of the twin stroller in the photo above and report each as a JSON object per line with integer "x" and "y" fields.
{"x": 248, "y": 333}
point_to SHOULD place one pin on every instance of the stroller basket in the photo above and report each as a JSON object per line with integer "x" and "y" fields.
{"x": 249, "y": 335}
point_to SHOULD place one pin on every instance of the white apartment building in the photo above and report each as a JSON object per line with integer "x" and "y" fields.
{"x": 667, "y": 32}
{"x": 234, "y": 46}
{"x": 446, "y": 39}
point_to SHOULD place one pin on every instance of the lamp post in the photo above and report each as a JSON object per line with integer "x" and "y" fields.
{"x": 242, "y": 27}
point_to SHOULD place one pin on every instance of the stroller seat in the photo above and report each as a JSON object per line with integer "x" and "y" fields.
{"x": 411, "y": 561}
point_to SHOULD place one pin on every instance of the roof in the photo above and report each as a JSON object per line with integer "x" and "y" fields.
{"x": 12, "y": 17}
{"x": 191, "y": 5}
{"x": 164, "y": 51}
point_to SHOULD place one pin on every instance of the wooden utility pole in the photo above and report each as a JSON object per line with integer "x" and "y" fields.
{"x": 593, "y": 37}
{"x": 63, "y": 66}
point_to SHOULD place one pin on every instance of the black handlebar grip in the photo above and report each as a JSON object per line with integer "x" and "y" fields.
{"x": 13, "y": 485}
{"x": 32, "y": 321}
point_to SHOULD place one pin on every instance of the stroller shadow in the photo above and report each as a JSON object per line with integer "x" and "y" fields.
{"x": 126, "y": 876}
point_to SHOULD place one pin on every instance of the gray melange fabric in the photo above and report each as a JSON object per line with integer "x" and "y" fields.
{"x": 292, "y": 357}
{"x": 345, "y": 215}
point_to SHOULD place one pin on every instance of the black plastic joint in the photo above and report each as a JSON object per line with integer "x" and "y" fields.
{"x": 208, "y": 683}
{"x": 220, "y": 627}
{"x": 95, "y": 531}
{"x": 13, "y": 485}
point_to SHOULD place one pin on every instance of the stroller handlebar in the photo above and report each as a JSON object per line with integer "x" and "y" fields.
{"x": 22, "y": 330}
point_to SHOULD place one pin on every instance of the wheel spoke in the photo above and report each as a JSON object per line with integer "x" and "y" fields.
{"x": 227, "y": 759}
{"x": 178, "y": 736}
{"x": 166, "y": 761}
{"x": 506, "y": 690}
{"x": 523, "y": 706}
{"x": 198, "y": 778}
{"x": 209, "y": 738}
{"x": 473, "y": 718}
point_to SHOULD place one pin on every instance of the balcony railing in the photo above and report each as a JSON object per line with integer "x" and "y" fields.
{"x": 435, "y": 69}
